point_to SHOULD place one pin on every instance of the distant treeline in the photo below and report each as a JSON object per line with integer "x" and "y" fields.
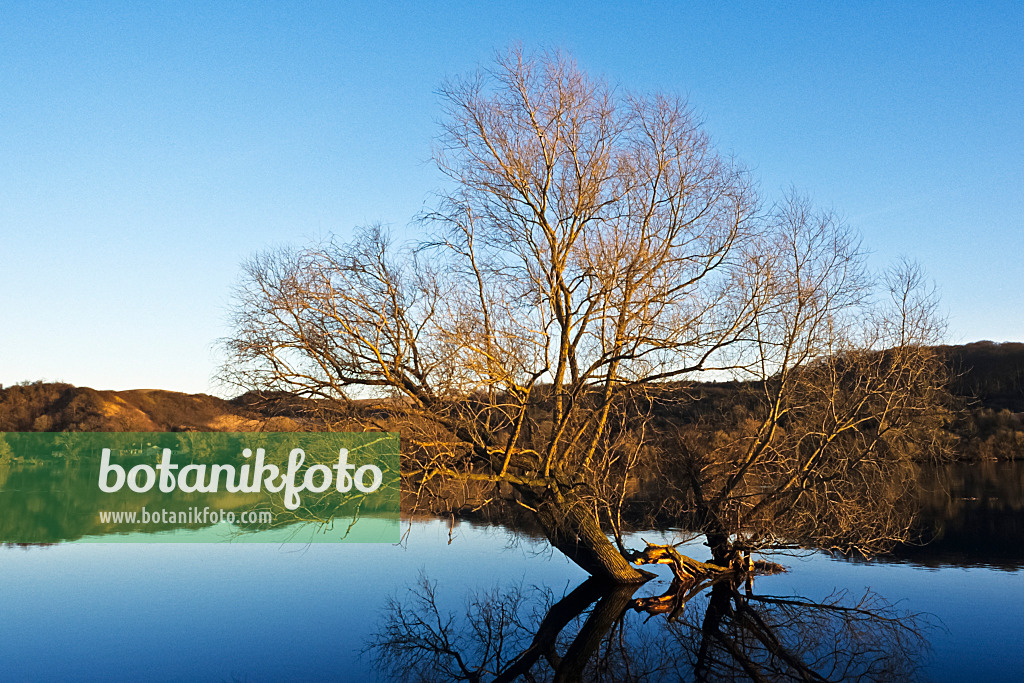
{"x": 988, "y": 374}
{"x": 988, "y": 381}
{"x": 986, "y": 412}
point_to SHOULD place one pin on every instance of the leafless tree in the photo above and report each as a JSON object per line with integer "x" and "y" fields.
{"x": 845, "y": 391}
{"x": 593, "y": 248}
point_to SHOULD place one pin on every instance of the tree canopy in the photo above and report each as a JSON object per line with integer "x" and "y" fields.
{"x": 590, "y": 255}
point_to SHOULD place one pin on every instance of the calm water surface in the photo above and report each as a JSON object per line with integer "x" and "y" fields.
{"x": 261, "y": 612}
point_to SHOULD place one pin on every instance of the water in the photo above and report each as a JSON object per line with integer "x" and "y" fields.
{"x": 265, "y": 612}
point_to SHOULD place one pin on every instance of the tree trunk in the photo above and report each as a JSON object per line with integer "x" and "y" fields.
{"x": 724, "y": 554}
{"x": 573, "y": 528}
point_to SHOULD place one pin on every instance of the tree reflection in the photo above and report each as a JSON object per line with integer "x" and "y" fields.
{"x": 692, "y": 632}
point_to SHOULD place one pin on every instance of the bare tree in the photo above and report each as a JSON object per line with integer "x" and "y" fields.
{"x": 593, "y": 248}
{"x": 844, "y": 392}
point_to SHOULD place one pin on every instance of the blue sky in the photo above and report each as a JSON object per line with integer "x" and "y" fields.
{"x": 146, "y": 149}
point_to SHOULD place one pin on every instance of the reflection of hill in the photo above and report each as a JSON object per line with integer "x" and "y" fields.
{"x": 49, "y": 490}
{"x": 969, "y": 514}
{"x": 972, "y": 514}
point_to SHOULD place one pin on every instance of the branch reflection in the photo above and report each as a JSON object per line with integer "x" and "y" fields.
{"x": 692, "y": 632}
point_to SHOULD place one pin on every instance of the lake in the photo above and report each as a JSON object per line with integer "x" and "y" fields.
{"x": 947, "y": 611}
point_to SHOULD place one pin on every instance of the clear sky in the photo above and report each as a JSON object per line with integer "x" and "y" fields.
{"x": 147, "y": 148}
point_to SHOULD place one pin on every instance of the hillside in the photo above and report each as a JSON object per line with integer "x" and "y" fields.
{"x": 987, "y": 388}
{"x": 63, "y": 407}
{"x": 988, "y": 374}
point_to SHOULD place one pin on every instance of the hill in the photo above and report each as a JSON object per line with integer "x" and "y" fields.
{"x": 987, "y": 387}
{"x": 63, "y": 407}
{"x": 988, "y": 374}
